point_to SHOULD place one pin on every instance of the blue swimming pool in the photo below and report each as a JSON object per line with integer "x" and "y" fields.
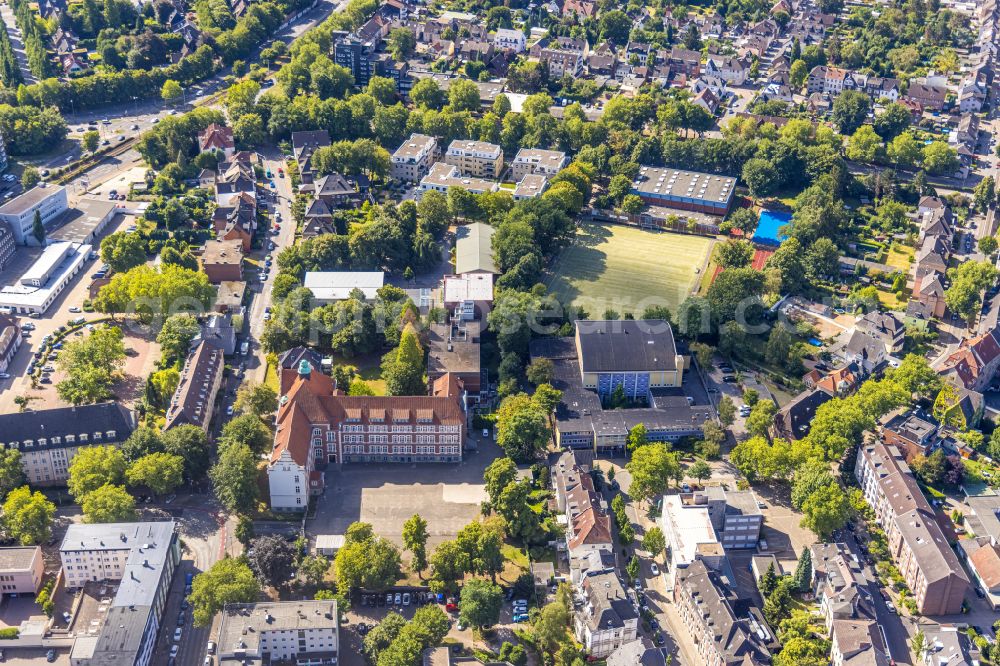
{"x": 767, "y": 227}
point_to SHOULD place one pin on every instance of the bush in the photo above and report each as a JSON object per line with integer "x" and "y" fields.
{"x": 8, "y": 633}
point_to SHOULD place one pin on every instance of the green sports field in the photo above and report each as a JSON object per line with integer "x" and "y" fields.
{"x": 627, "y": 269}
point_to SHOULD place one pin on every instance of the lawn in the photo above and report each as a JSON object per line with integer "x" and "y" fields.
{"x": 899, "y": 259}
{"x": 889, "y": 300}
{"x": 627, "y": 269}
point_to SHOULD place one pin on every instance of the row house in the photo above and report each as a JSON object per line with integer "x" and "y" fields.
{"x": 834, "y": 80}
{"x": 916, "y": 543}
{"x": 608, "y": 619}
{"x": 317, "y": 425}
{"x": 930, "y": 96}
{"x": 49, "y": 439}
{"x": 936, "y": 231}
{"x": 234, "y": 177}
{"x": 705, "y": 605}
{"x": 304, "y": 144}
{"x": 588, "y": 523}
{"x": 193, "y": 402}
{"x": 237, "y": 221}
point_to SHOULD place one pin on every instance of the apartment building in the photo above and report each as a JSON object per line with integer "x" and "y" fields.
{"x": 735, "y": 514}
{"x": 50, "y": 201}
{"x": 607, "y": 620}
{"x": 10, "y": 339}
{"x": 49, "y": 439}
{"x": 7, "y": 245}
{"x": 317, "y": 424}
{"x": 299, "y": 632}
{"x": 916, "y": 542}
{"x": 689, "y": 535}
{"x": 478, "y": 159}
{"x": 443, "y": 176}
{"x": 706, "y": 608}
{"x": 413, "y": 159}
{"x": 509, "y": 39}
{"x": 142, "y": 559}
{"x": 21, "y": 570}
{"x": 857, "y": 643}
{"x": 194, "y": 400}
{"x": 537, "y": 161}
{"x": 839, "y": 583}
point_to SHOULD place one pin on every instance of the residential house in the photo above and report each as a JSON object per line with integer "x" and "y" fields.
{"x": 685, "y": 62}
{"x": 562, "y": 62}
{"x": 857, "y": 643}
{"x": 193, "y": 402}
{"x": 413, "y": 159}
{"x": 706, "y": 608}
{"x": 911, "y": 432}
{"x": 21, "y": 570}
{"x": 608, "y": 620}
{"x": 689, "y": 534}
{"x": 885, "y": 327}
{"x": 262, "y": 633}
{"x": 477, "y": 159}
{"x": 928, "y": 95}
{"x": 947, "y": 645}
{"x": 982, "y": 555}
{"x": 10, "y": 339}
{"x": 792, "y": 421}
{"x": 304, "y": 144}
{"x": 49, "y": 439}
{"x": 973, "y": 365}
{"x": 582, "y": 9}
{"x": 537, "y": 161}
{"x": 234, "y": 178}
{"x": 317, "y": 424}
{"x": 840, "y": 584}
{"x": 531, "y": 186}
{"x": 640, "y": 652}
{"x": 916, "y": 543}
{"x": 443, "y": 176}
{"x": 141, "y": 559}
{"x": 509, "y": 39}
{"x": 237, "y": 221}
{"x": 454, "y": 348}
{"x": 222, "y": 261}
{"x": 219, "y": 138}
{"x": 336, "y": 191}
{"x": 729, "y": 69}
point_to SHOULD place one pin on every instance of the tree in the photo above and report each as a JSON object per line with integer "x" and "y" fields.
{"x": 247, "y": 429}
{"x": 826, "y": 510}
{"x": 652, "y": 466}
{"x": 27, "y": 516}
{"x": 480, "y": 605}
{"x": 761, "y": 417}
{"x": 171, "y": 91}
{"x": 403, "y": 368}
{"x": 988, "y": 245}
{"x": 797, "y": 74}
{"x": 919, "y": 645}
{"x": 415, "y": 541}
{"x": 160, "y": 472}
{"x": 272, "y": 559}
{"x": 803, "y": 572}
{"x": 615, "y": 26}
{"x": 229, "y": 581}
{"x": 850, "y": 109}
{"x": 234, "y": 477}
{"x": 727, "y": 411}
{"x": 191, "y": 443}
{"x": 653, "y": 541}
{"x": 940, "y": 158}
{"x": 539, "y": 371}
{"x": 463, "y": 95}
{"x": 244, "y": 530}
{"x": 768, "y": 581}
{"x": 258, "y": 399}
{"x": 313, "y": 569}
{"x": 499, "y": 474}
{"x": 551, "y": 626}
{"x": 700, "y": 470}
{"x": 760, "y": 176}
{"x": 90, "y": 140}
{"x": 984, "y": 195}
{"x": 383, "y": 634}
{"x": 402, "y": 42}
{"x": 30, "y": 177}
{"x": 734, "y": 253}
{"x": 864, "y": 145}
{"x": 93, "y": 467}
{"x": 449, "y": 563}
{"x": 177, "y": 333}
{"x": 365, "y": 560}
{"x": 636, "y": 438}
{"x": 11, "y": 475}
{"x": 427, "y": 94}
{"x": 522, "y": 429}
{"x": 904, "y": 151}
{"x": 108, "y": 504}
{"x": 893, "y": 121}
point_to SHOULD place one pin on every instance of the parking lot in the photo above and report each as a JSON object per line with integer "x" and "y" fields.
{"x": 385, "y": 495}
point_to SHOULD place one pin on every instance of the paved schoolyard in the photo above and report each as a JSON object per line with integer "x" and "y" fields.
{"x": 446, "y": 495}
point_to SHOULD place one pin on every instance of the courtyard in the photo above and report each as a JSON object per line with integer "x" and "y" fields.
{"x": 446, "y": 495}
{"x": 627, "y": 269}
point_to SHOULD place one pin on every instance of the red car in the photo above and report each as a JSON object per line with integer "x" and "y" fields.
{"x": 451, "y": 606}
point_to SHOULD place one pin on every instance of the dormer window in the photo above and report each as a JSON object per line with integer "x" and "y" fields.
{"x": 56, "y": 440}
{"x": 84, "y": 437}
{"x": 112, "y": 434}
{"x": 28, "y": 443}
{"x": 97, "y": 435}
{"x": 42, "y": 441}
{"x": 70, "y": 439}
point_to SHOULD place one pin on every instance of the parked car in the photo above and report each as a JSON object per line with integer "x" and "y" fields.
{"x": 406, "y": 598}
{"x": 50, "y": 656}
{"x": 654, "y": 569}
{"x": 388, "y": 599}
{"x": 177, "y": 634}
{"x": 398, "y": 599}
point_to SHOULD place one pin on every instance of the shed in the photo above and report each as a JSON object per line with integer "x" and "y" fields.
{"x": 329, "y": 544}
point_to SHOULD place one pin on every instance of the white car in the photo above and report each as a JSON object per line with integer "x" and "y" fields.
{"x": 74, "y": 309}
{"x": 177, "y": 633}
{"x": 654, "y": 569}
{"x": 174, "y": 649}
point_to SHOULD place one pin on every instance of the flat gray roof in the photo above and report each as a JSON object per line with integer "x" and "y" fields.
{"x": 24, "y": 202}
{"x": 684, "y": 184}
{"x": 18, "y": 559}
